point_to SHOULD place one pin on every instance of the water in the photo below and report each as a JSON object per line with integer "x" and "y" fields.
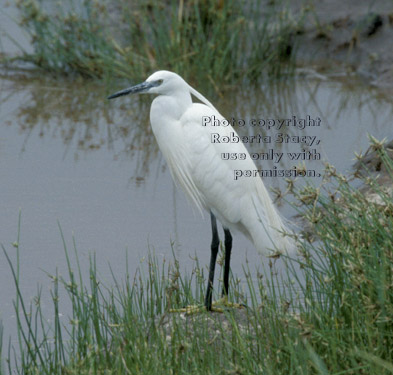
{"x": 71, "y": 159}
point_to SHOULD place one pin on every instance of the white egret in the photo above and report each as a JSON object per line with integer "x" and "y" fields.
{"x": 196, "y": 165}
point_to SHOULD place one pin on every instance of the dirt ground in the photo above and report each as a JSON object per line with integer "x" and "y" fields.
{"x": 351, "y": 36}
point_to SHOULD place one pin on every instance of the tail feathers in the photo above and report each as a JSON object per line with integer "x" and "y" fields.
{"x": 269, "y": 233}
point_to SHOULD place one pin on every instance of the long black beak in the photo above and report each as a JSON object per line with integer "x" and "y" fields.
{"x": 142, "y": 87}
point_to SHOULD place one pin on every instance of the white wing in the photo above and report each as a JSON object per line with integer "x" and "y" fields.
{"x": 208, "y": 180}
{"x": 242, "y": 204}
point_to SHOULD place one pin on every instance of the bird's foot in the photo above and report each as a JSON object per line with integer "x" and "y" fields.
{"x": 190, "y": 309}
{"x": 223, "y": 303}
{"x": 195, "y": 309}
{"x": 217, "y": 306}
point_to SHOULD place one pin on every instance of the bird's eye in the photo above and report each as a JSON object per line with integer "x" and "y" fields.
{"x": 160, "y": 81}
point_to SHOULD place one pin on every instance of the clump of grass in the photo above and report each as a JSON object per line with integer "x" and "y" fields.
{"x": 331, "y": 314}
{"x": 203, "y": 41}
{"x": 68, "y": 38}
{"x": 349, "y": 272}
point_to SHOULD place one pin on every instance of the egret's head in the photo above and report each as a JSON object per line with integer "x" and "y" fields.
{"x": 161, "y": 82}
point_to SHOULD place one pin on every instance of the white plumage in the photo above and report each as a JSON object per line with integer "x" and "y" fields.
{"x": 196, "y": 164}
{"x": 197, "y": 167}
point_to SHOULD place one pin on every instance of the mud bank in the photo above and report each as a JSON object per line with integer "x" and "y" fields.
{"x": 351, "y": 37}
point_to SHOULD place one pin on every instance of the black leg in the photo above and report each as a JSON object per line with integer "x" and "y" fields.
{"x": 213, "y": 257}
{"x": 228, "y": 249}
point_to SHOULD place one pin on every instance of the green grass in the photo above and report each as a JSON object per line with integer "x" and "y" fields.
{"x": 331, "y": 314}
{"x": 214, "y": 43}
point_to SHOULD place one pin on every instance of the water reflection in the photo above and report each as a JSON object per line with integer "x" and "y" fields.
{"x": 80, "y": 115}
{"x": 68, "y": 154}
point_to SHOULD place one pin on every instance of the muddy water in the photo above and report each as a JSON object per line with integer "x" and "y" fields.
{"x": 70, "y": 158}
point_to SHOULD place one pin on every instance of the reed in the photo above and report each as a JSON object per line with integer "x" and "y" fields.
{"x": 216, "y": 43}
{"x": 329, "y": 313}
